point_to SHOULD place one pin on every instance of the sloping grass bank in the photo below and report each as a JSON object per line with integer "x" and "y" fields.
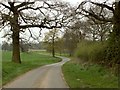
{"x": 92, "y": 76}
{"x": 29, "y": 61}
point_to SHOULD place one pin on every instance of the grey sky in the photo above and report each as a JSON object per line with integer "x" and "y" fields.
{"x": 74, "y": 2}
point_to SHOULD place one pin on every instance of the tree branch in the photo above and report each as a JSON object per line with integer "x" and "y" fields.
{"x": 39, "y": 26}
{"x": 103, "y": 5}
{"x": 5, "y": 6}
{"x": 24, "y": 4}
{"x": 91, "y": 13}
{"x": 98, "y": 17}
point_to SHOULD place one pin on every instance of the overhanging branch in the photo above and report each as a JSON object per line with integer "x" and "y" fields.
{"x": 98, "y": 17}
{"x": 5, "y": 6}
{"x": 39, "y": 26}
{"x": 80, "y": 10}
{"x": 103, "y": 5}
{"x": 24, "y": 4}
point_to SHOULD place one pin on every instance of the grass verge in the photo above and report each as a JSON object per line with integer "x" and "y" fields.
{"x": 0, "y": 68}
{"x": 93, "y": 76}
{"x": 29, "y": 61}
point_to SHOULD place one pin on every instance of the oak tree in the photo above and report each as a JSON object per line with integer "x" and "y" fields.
{"x": 99, "y": 16}
{"x": 21, "y": 16}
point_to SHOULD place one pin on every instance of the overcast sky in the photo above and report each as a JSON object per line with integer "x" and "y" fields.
{"x": 74, "y": 2}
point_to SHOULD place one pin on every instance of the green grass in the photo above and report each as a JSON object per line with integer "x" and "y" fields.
{"x": 29, "y": 61}
{"x": 0, "y": 68}
{"x": 93, "y": 76}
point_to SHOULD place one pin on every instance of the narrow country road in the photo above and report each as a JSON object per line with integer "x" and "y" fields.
{"x": 48, "y": 76}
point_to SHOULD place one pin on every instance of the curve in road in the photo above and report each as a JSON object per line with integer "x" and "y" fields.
{"x": 48, "y": 76}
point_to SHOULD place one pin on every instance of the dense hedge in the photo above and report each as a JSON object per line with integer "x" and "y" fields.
{"x": 98, "y": 52}
{"x": 92, "y": 51}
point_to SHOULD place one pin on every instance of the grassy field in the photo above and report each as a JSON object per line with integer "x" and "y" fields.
{"x": 94, "y": 76}
{"x": 56, "y": 54}
{"x": 29, "y": 61}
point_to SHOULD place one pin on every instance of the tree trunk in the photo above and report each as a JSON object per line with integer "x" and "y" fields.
{"x": 114, "y": 48}
{"x": 53, "y": 52}
{"x": 101, "y": 38}
{"x": 53, "y": 47}
{"x": 15, "y": 37}
{"x": 16, "y": 47}
{"x": 116, "y": 32}
{"x": 93, "y": 35}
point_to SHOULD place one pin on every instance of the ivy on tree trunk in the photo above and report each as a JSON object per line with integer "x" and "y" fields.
{"x": 114, "y": 41}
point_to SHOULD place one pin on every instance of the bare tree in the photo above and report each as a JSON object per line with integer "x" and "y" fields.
{"x": 21, "y": 16}
{"x": 50, "y": 38}
{"x": 72, "y": 37}
{"x": 99, "y": 16}
{"x": 97, "y": 31}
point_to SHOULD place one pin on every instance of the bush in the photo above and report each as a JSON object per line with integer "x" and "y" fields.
{"x": 99, "y": 52}
{"x": 91, "y": 51}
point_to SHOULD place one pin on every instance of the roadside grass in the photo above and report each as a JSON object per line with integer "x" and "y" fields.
{"x": 93, "y": 76}
{"x": 0, "y": 68}
{"x": 30, "y": 61}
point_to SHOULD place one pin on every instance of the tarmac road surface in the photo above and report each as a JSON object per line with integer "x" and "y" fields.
{"x": 48, "y": 76}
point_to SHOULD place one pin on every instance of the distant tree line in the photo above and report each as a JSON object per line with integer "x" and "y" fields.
{"x": 24, "y": 46}
{"x": 72, "y": 36}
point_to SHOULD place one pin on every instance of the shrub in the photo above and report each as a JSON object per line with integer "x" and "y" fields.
{"x": 100, "y": 53}
{"x": 91, "y": 51}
